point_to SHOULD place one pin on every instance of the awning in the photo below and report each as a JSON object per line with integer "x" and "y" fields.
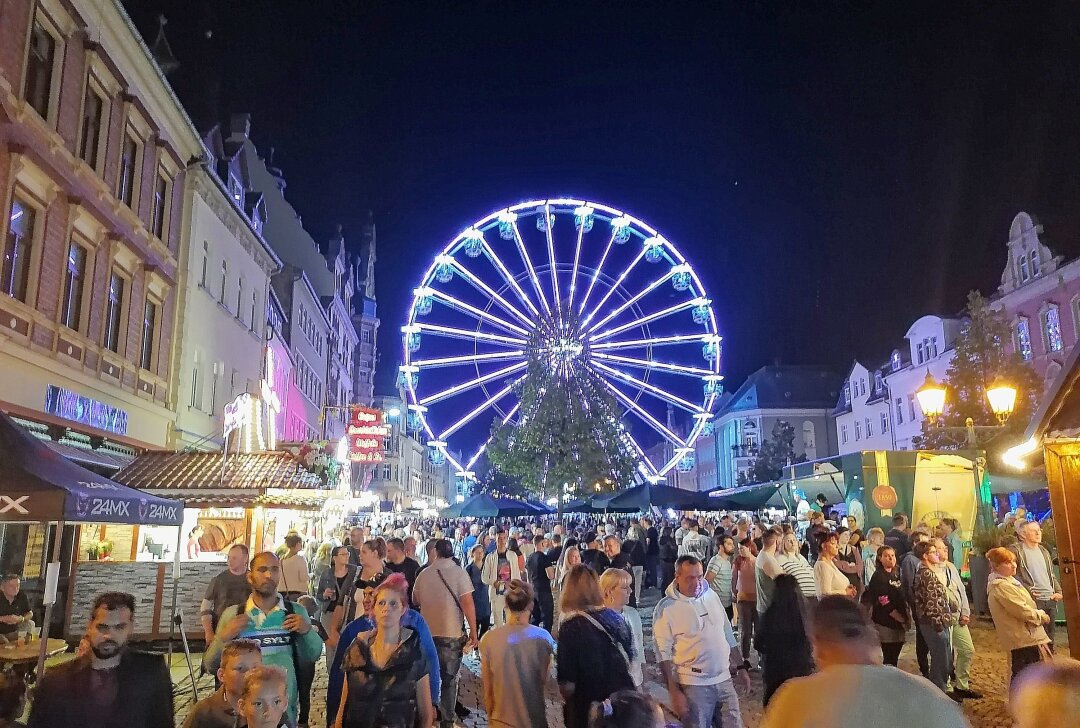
{"x": 99, "y": 458}
{"x": 299, "y": 500}
{"x": 644, "y": 497}
{"x": 38, "y": 484}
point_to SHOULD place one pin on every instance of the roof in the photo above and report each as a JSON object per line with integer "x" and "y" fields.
{"x": 787, "y": 387}
{"x": 303, "y": 500}
{"x": 204, "y": 471}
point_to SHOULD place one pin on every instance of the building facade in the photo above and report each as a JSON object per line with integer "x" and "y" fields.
{"x": 94, "y": 149}
{"x": 225, "y": 287}
{"x": 1040, "y": 296}
{"x": 802, "y": 396}
{"x": 929, "y": 348}
{"x": 863, "y": 415}
{"x": 408, "y": 475}
{"x": 365, "y": 317}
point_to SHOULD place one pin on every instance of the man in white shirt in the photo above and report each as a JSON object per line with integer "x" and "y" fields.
{"x": 697, "y": 650}
{"x": 443, "y": 594}
{"x": 860, "y": 691}
{"x": 1034, "y": 569}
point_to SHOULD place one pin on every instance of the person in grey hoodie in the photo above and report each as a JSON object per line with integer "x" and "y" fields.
{"x": 696, "y": 647}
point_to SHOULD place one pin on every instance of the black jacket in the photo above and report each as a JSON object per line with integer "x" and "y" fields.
{"x": 143, "y": 698}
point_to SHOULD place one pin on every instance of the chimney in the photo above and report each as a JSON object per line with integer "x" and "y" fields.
{"x": 239, "y": 127}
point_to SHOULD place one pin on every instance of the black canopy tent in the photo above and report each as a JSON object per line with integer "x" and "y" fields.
{"x": 38, "y": 485}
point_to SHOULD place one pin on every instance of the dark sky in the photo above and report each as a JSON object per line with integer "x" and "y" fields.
{"x": 833, "y": 171}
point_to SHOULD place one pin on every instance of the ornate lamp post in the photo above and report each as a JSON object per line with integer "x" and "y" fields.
{"x": 1002, "y": 398}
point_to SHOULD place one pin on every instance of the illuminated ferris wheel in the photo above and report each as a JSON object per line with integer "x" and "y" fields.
{"x": 592, "y": 289}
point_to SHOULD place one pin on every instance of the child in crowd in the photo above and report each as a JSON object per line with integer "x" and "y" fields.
{"x": 220, "y": 709}
{"x": 627, "y": 709}
{"x": 264, "y": 698}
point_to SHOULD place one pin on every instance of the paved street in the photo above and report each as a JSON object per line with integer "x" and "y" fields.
{"x": 989, "y": 676}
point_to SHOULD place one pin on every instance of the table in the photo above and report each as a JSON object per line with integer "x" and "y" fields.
{"x": 21, "y": 654}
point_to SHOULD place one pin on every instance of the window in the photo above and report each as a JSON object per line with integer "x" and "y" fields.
{"x": 224, "y": 280}
{"x": 1023, "y": 268}
{"x": 74, "y": 279}
{"x": 878, "y": 383}
{"x": 365, "y": 336}
{"x": 239, "y": 298}
{"x": 205, "y": 263}
{"x": 150, "y": 315}
{"x": 869, "y": 427}
{"x": 196, "y": 393}
{"x": 911, "y": 406}
{"x": 213, "y": 389}
{"x": 1034, "y": 263}
{"x": 20, "y": 236}
{"x": 862, "y": 387}
{"x": 897, "y": 362}
{"x": 858, "y": 431}
{"x": 884, "y": 422}
{"x": 847, "y": 393}
{"x": 920, "y": 352}
{"x": 843, "y": 434}
{"x": 1023, "y": 339}
{"x": 129, "y": 160}
{"x": 900, "y": 411}
{"x": 39, "y": 69}
{"x": 161, "y": 203}
{"x": 93, "y": 109}
{"x": 114, "y": 313}
{"x": 254, "y": 312}
{"x": 1052, "y": 329}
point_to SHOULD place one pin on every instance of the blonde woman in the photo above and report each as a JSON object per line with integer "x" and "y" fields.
{"x": 616, "y": 585}
{"x": 568, "y": 559}
{"x": 1019, "y": 623}
{"x": 875, "y": 539}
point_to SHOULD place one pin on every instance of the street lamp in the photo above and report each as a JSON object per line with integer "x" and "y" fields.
{"x": 1002, "y": 398}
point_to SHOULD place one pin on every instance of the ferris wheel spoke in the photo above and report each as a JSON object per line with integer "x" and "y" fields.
{"x": 573, "y": 273}
{"x": 648, "y": 343}
{"x": 650, "y": 388}
{"x": 511, "y": 279}
{"x": 600, "y": 336}
{"x": 643, "y": 413}
{"x": 453, "y": 333}
{"x": 650, "y": 364}
{"x": 529, "y": 267}
{"x": 478, "y": 313}
{"x": 476, "y": 455}
{"x": 489, "y": 291}
{"x": 551, "y": 260}
{"x": 470, "y": 416}
{"x": 448, "y": 361}
{"x": 615, "y": 286}
{"x": 472, "y": 383}
{"x": 596, "y": 271}
{"x": 631, "y": 301}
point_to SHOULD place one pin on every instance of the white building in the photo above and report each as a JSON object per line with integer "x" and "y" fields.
{"x": 225, "y": 283}
{"x": 931, "y": 342}
{"x": 862, "y": 414}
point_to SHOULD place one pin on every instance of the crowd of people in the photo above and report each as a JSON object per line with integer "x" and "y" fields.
{"x": 812, "y": 602}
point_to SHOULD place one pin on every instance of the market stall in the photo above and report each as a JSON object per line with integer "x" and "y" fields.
{"x": 255, "y": 499}
{"x": 41, "y": 487}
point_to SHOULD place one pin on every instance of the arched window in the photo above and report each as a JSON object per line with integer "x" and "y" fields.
{"x": 1051, "y": 324}
{"x": 1022, "y": 338}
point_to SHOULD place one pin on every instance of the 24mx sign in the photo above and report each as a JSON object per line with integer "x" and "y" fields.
{"x": 8, "y": 503}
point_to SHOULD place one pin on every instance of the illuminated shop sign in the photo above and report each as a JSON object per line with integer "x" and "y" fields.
{"x": 75, "y": 407}
{"x": 366, "y": 435}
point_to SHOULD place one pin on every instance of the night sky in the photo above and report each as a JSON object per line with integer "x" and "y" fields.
{"x": 833, "y": 172}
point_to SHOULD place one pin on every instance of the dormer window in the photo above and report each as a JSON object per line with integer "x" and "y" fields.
{"x": 877, "y": 382}
{"x": 236, "y": 190}
{"x": 1034, "y": 263}
{"x": 896, "y": 361}
{"x": 1022, "y": 267}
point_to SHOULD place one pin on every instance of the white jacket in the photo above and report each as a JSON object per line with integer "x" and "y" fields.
{"x": 695, "y": 635}
{"x": 489, "y": 574}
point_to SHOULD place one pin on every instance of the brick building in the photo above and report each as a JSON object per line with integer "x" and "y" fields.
{"x": 93, "y": 151}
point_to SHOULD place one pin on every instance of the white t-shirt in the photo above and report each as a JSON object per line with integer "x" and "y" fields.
{"x": 437, "y": 605}
{"x": 830, "y": 580}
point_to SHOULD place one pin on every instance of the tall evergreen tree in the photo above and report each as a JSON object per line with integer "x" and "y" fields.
{"x": 979, "y": 360}
{"x": 774, "y": 454}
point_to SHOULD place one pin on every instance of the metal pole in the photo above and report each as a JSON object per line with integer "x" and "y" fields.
{"x": 175, "y": 587}
{"x": 52, "y": 575}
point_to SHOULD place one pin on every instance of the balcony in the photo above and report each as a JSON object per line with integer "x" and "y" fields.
{"x": 744, "y": 451}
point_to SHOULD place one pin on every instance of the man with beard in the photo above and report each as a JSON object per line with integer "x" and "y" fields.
{"x": 111, "y": 686}
{"x": 283, "y": 631}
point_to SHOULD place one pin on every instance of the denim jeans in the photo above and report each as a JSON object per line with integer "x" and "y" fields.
{"x": 712, "y": 705}
{"x": 939, "y": 645}
{"x": 450, "y": 652}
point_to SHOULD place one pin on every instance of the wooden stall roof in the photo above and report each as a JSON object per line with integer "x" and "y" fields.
{"x": 186, "y": 471}
{"x": 298, "y": 499}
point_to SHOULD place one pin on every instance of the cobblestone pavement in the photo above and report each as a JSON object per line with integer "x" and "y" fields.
{"x": 989, "y": 675}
